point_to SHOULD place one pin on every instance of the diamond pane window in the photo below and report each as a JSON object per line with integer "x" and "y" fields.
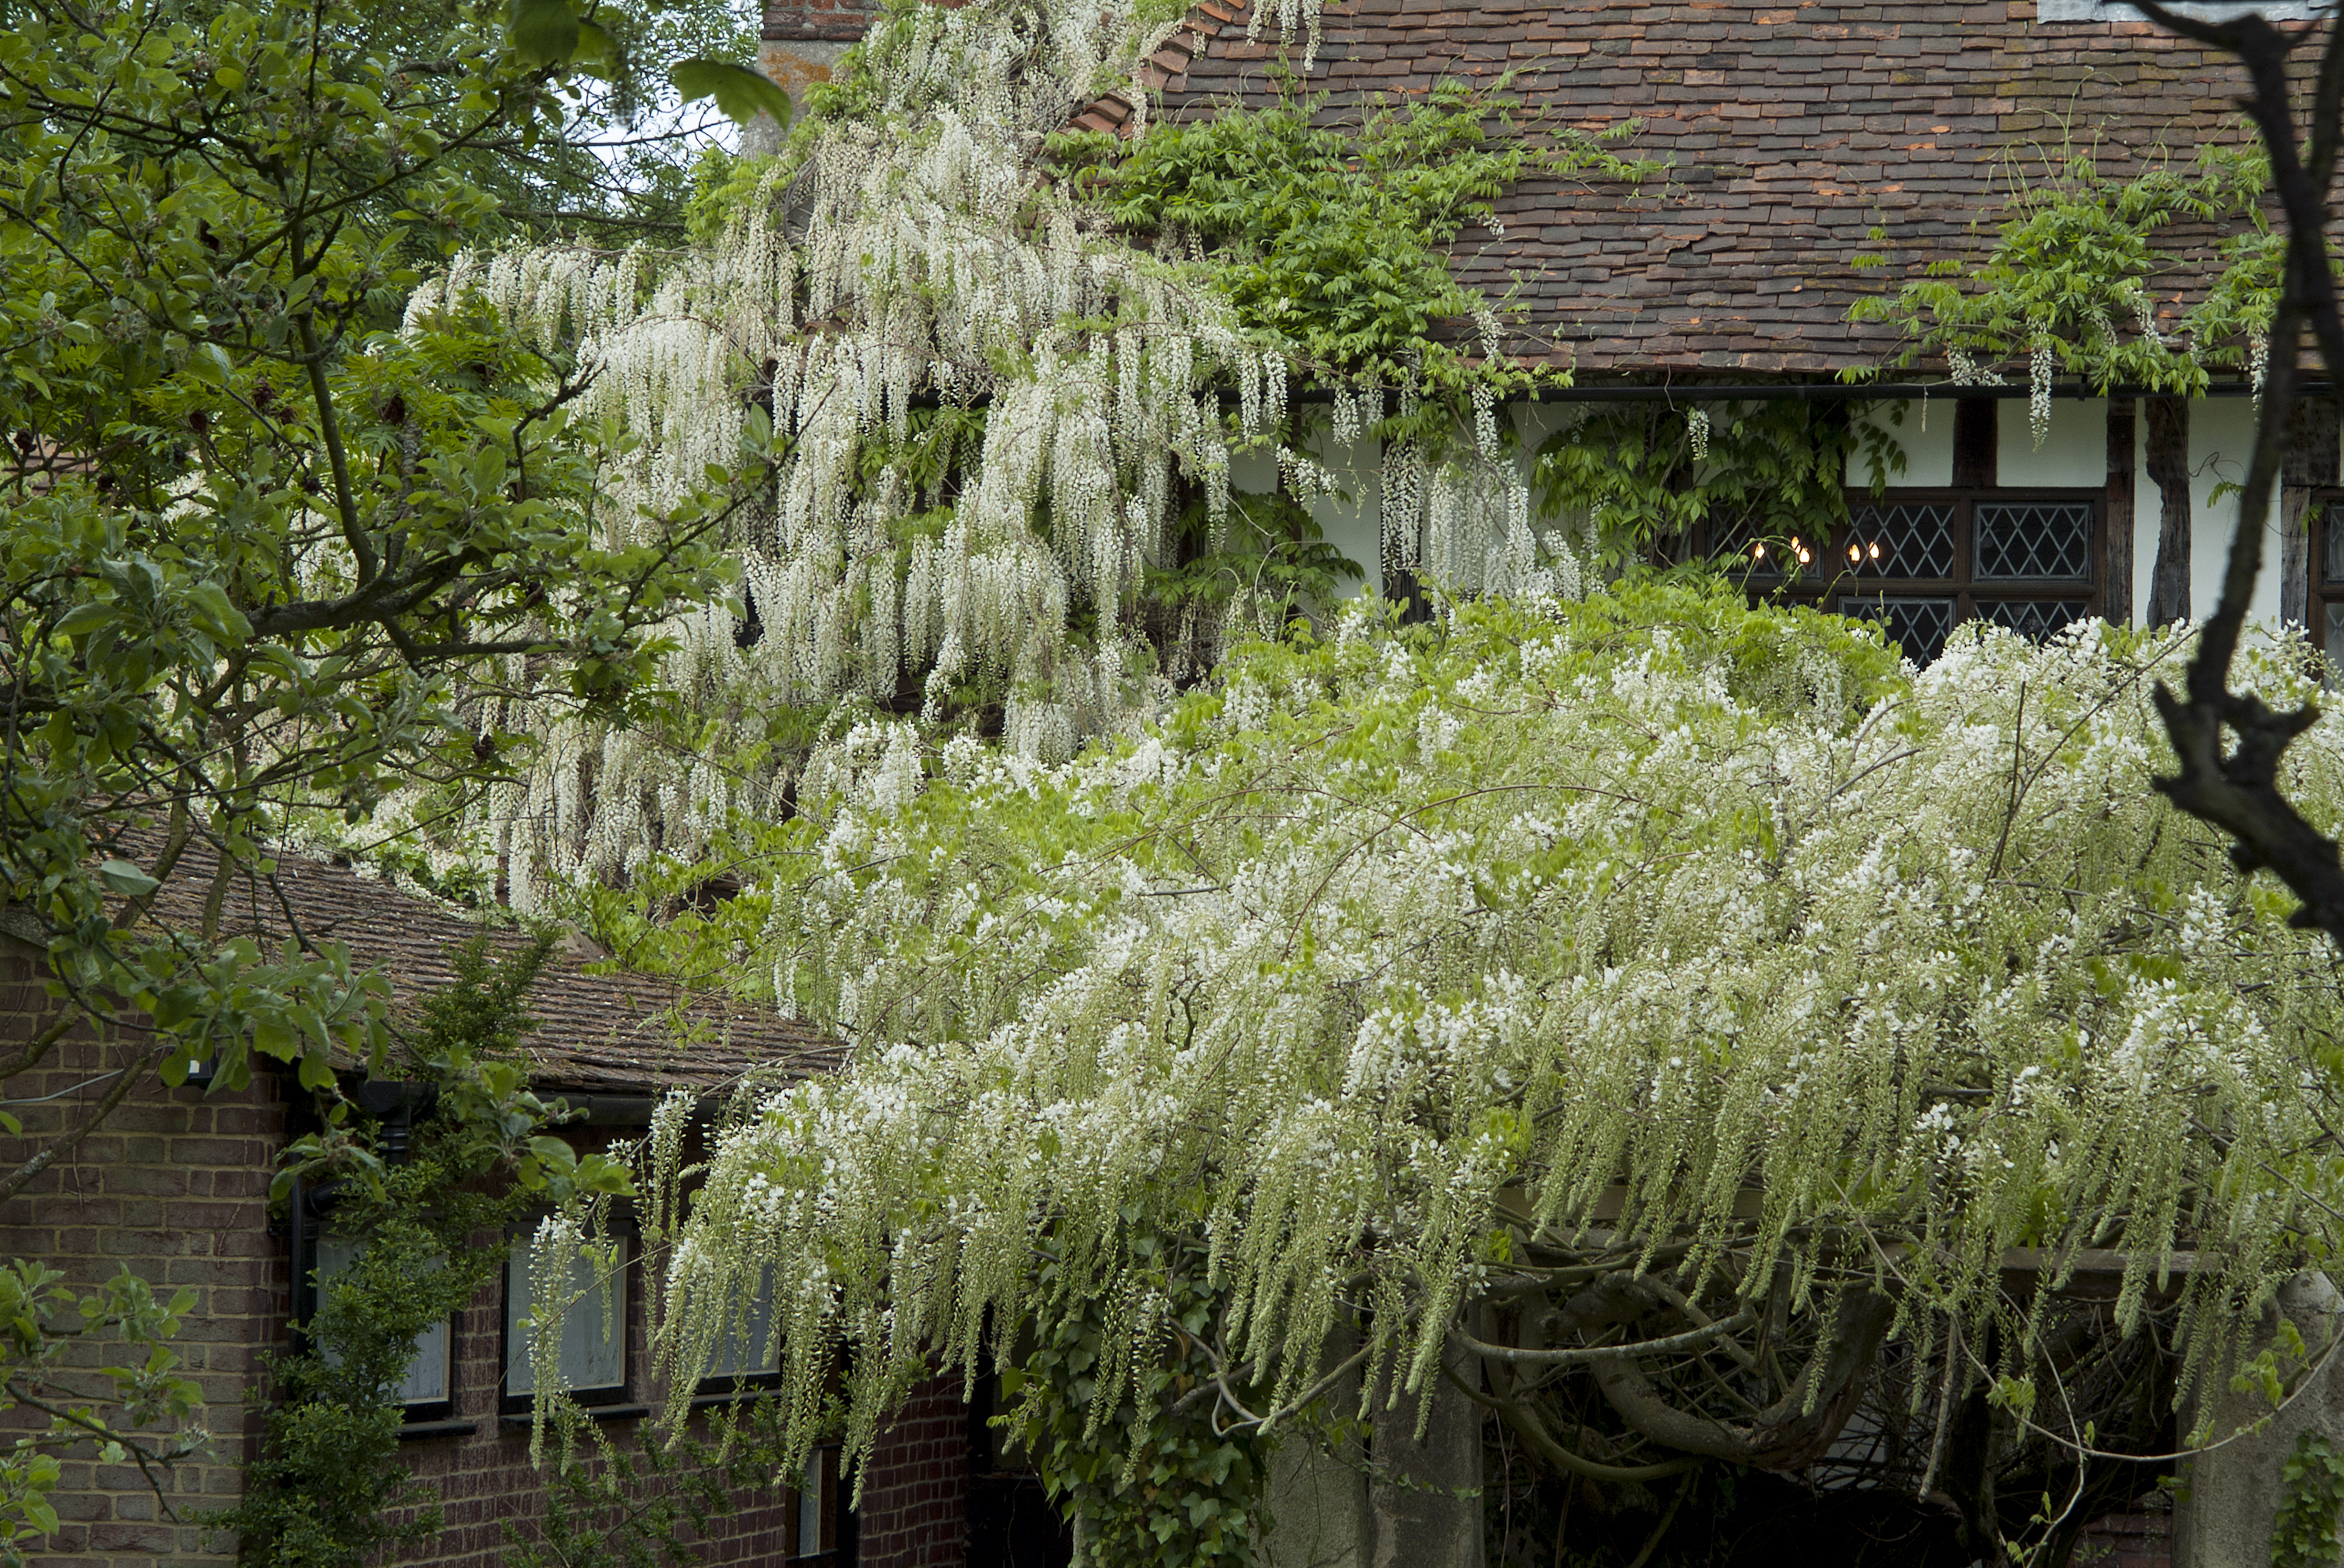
{"x": 2323, "y": 601}
{"x": 1904, "y": 542}
{"x": 1917, "y": 626}
{"x": 2047, "y": 539}
{"x": 2033, "y": 619}
{"x": 1923, "y": 562}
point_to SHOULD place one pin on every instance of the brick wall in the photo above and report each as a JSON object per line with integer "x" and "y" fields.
{"x": 915, "y": 1492}
{"x": 838, "y": 21}
{"x": 2127, "y": 1540}
{"x": 174, "y": 1184}
{"x": 487, "y": 1489}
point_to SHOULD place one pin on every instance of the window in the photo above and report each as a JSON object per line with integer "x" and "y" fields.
{"x": 751, "y": 1354}
{"x": 814, "y": 1534}
{"x": 426, "y": 1393}
{"x": 1923, "y": 562}
{"x": 593, "y": 1329}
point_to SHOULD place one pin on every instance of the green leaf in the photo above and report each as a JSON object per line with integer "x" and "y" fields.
{"x": 87, "y": 617}
{"x": 122, "y": 877}
{"x": 544, "y": 31}
{"x": 740, "y": 93}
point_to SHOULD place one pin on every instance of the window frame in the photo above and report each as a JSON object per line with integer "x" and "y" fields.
{"x": 313, "y": 1223}
{"x": 720, "y": 1386}
{"x": 830, "y": 1515}
{"x": 618, "y": 1394}
{"x": 1839, "y": 592}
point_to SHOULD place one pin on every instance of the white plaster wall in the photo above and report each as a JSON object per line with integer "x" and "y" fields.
{"x": 1255, "y": 470}
{"x": 2074, "y": 450}
{"x": 2222, "y": 443}
{"x": 1926, "y": 435}
{"x": 1353, "y": 520}
{"x": 1534, "y": 422}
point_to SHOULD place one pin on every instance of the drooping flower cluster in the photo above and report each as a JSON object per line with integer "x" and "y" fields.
{"x": 1632, "y": 908}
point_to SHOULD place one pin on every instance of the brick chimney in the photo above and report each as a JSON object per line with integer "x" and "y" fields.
{"x": 804, "y": 38}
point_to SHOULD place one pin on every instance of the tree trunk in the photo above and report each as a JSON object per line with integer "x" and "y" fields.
{"x": 2168, "y": 466}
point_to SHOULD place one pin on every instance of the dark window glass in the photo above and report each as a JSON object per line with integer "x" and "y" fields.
{"x": 2033, "y": 539}
{"x": 1921, "y": 563}
{"x": 1901, "y": 542}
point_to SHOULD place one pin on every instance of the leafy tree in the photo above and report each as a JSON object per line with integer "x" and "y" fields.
{"x": 258, "y": 555}
{"x": 266, "y": 556}
{"x": 43, "y": 1323}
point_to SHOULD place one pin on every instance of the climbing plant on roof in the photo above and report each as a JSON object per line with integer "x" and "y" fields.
{"x": 2068, "y": 283}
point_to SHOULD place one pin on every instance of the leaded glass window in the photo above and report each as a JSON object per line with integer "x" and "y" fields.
{"x": 1921, "y": 563}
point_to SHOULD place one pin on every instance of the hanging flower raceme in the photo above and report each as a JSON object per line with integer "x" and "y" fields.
{"x": 1632, "y": 908}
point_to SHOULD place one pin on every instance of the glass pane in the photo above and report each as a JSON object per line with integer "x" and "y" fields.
{"x": 2046, "y": 539}
{"x": 427, "y": 1374}
{"x": 2331, "y": 541}
{"x": 810, "y": 1489}
{"x": 2334, "y": 641}
{"x": 590, "y": 1358}
{"x": 1912, "y": 541}
{"x": 2033, "y": 619}
{"x": 752, "y": 1348}
{"x": 1917, "y": 626}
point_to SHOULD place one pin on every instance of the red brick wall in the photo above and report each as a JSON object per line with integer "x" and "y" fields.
{"x": 2126, "y": 1541}
{"x": 915, "y": 1489}
{"x": 484, "y": 1482}
{"x": 174, "y": 1184}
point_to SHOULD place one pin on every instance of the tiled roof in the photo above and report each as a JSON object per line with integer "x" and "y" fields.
{"x": 595, "y": 1033}
{"x": 1794, "y": 129}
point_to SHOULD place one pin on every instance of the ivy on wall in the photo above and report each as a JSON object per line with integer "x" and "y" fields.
{"x": 1645, "y": 472}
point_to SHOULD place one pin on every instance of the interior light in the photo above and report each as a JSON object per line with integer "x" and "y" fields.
{"x": 1875, "y": 549}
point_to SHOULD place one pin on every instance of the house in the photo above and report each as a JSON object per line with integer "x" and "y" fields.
{"x": 1795, "y": 131}
{"x": 175, "y": 1185}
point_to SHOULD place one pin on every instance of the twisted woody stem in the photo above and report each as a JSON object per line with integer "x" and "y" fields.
{"x": 2239, "y": 790}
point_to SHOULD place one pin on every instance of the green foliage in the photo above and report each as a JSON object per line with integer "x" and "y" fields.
{"x": 1269, "y": 550}
{"x": 329, "y": 1479}
{"x": 259, "y": 555}
{"x": 1118, "y": 1416}
{"x": 1334, "y": 238}
{"x": 1646, "y": 472}
{"x": 2067, "y": 280}
{"x": 635, "y": 1505}
{"x": 740, "y": 93}
{"x": 2305, "y": 1534}
{"x": 42, "y": 1324}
